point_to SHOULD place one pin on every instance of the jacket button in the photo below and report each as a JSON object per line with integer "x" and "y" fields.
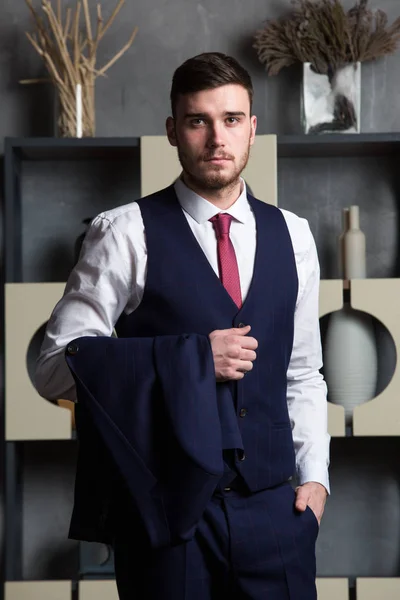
{"x": 227, "y": 489}
{"x": 241, "y": 325}
{"x": 72, "y": 348}
{"x": 243, "y": 412}
{"x": 242, "y": 456}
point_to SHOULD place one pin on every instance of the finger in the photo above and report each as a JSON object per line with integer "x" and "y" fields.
{"x": 248, "y": 343}
{"x": 240, "y": 330}
{"x": 236, "y": 376}
{"x": 247, "y": 355}
{"x": 244, "y": 366}
{"x": 302, "y": 498}
{"x": 233, "y": 376}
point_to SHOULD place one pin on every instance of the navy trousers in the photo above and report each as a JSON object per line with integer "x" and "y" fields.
{"x": 247, "y": 546}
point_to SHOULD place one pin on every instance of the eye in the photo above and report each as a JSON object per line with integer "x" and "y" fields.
{"x": 232, "y": 120}
{"x": 197, "y": 122}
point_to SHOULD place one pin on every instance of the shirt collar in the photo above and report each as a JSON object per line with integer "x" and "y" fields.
{"x": 201, "y": 210}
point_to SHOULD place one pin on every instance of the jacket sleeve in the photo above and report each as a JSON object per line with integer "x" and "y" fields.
{"x": 153, "y": 402}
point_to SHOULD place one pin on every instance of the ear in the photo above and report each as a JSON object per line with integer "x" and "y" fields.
{"x": 171, "y": 134}
{"x": 253, "y": 128}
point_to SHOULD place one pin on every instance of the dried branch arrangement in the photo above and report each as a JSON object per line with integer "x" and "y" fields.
{"x": 69, "y": 53}
{"x": 323, "y": 33}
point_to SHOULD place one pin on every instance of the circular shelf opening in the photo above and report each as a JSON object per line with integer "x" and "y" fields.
{"x": 359, "y": 356}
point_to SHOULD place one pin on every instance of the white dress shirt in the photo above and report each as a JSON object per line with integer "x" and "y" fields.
{"x": 110, "y": 278}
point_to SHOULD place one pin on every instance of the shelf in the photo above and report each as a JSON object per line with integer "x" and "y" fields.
{"x": 331, "y": 299}
{"x": 50, "y": 148}
{"x": 374, "y": 588}
{"x": 331, "y": 588}
{"x": 381, "y": 299}
{"x": 38, "y": 590}
{"x": 44, "y": 168}
{"x": 28, "y": 416}
{"x": 98, "y": 590}
{"x": 338, "y": 145}
{"x": 73, "y": 179}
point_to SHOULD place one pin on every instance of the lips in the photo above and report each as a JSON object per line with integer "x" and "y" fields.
{"x": 217, "y": 159}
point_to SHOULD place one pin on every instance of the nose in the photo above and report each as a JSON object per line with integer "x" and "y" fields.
{"x": 215, "y": 136}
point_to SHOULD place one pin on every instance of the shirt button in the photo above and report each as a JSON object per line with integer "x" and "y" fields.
{"x": 243, "y": 412}
{"x": 227, "y": 489}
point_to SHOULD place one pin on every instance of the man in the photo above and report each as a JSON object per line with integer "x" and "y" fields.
{"x": 156, "y": 276}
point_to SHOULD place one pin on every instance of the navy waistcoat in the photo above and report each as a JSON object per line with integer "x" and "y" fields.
{"x": 184, "y": 295}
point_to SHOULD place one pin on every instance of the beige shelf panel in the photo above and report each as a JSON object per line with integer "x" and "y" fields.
{"x": 29, "y": 416}
{"x": 160, "y": 166}
{"x": 332, "y": 588}
{"x": 330, "y": 300}
{"x": 378, "y": 589}
{"x": 38, "y": 590}
{"x": 381, "y": 299}
{"x": 98, "y": 590}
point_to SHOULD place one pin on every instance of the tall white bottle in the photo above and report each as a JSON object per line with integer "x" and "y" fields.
{"x": 350, "y": 352}
{"x": 345, "y": 226}
{"x": 354, "y": 247}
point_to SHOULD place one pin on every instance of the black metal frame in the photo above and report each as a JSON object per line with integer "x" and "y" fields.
{"x": 18, "y": 150}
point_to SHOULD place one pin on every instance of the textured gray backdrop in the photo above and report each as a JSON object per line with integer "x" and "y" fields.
{"x": 360, "y": 534}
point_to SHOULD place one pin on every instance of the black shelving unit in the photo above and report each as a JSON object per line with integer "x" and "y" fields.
{"x": 303, "y": 162}
{"x": 19, "y": 154}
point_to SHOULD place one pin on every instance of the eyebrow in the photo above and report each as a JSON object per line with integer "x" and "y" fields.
{"x": 205, "y": 115}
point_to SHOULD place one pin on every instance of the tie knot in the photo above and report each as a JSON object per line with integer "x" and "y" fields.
{"x": 222, "y": 223}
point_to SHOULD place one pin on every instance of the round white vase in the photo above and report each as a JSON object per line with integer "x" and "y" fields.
{"x": 351, "y": 359}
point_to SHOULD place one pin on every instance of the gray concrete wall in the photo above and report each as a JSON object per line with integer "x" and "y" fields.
{"x": 360, "y": 535}
{"x": 133, "y": 99}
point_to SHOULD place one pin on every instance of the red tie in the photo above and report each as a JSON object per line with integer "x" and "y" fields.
{"x": 227, "y": 263}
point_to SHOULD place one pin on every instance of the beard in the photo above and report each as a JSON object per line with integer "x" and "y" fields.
{"x": 208, "y": 176}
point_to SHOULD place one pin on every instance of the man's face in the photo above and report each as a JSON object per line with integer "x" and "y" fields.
{"x": 213, "y": 132}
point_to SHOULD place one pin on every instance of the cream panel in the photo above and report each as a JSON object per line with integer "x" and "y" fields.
{"x": 378, "y": 589}
{"x": 28, "y": 416}
{"x": 380, "y": 298}
{"x": 261, "y": 172}
{"x": 332, "y": 589}
{"x": 98, "y": 590}
{"x": 160, "y": 166}
{"x": 330, "y": 300}
{"x": 38, "y": 590}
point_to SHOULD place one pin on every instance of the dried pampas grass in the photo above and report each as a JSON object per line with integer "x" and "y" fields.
{"x": 323, "y": 33}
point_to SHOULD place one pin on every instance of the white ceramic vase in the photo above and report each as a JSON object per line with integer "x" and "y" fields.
{"x": 351, "y": 360}
{"x": 350, "y": 349}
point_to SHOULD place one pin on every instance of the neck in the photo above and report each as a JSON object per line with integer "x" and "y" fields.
{"x": 222, "y": 198}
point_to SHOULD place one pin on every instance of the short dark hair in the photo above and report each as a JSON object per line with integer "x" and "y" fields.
{"x": 208, "y": 71}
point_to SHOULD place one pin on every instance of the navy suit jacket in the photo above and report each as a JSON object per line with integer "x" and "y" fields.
{"x": 149, "y": 414}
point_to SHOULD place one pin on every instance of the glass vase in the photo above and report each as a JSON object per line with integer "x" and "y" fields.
{"x": 330, "y": 103}
{"x": 74, "y": 111}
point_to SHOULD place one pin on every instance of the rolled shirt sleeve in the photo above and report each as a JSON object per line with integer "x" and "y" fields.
{"x": 95, "y": 295}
